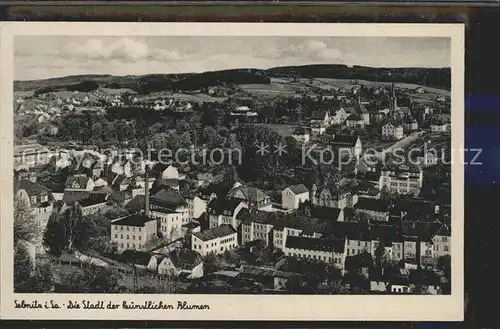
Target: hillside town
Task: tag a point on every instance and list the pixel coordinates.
(308, 188)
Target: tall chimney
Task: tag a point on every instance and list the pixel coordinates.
(146, 191)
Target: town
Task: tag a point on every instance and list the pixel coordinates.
(311, 186)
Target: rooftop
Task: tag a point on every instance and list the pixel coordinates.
(133, 220)
(216, 232)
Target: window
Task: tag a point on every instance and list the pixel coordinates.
(347, 252)
(139, 229)
(445, 248)
(133, 237)
(116, 236)
(127, 236)
(121, 236)
(359, 243)
(139, 238)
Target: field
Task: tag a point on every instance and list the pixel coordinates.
(272, 89)
(182, 97)
(344, 83)
(283, 130)
(117, 91)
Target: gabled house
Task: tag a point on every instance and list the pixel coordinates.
(171, 210)
(225, 211)
(340, 116)
(347, 145)
(333, 196)
(320, 120)
(215, 240)
(374, 209)
(252, 196)
(179, 262)
(392, 132)
(293, 195)
(79, 183)
(355, 120)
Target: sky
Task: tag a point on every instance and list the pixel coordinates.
(40, 57)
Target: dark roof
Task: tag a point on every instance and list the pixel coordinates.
(136, 204)
(220, 190)
(298, 188)
(354, 117)
(345, 140)
(250, 193)
(216, 232)
(81, 179)
(191, 225)
(300, 131)
(262, 217)
(318, 115)
(133, 220)
(31, 188)
(169, 198)
(93, 199)
(360, 108)
(70, 197)
(306, 243)
(219, 206)
(185, 259)
(381, 205)
(326, 213)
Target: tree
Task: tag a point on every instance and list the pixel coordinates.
(23, 267)
(26, 227)
(70, 220)
(54, 238)
(444, 264)
(91, 279)
(419, 289)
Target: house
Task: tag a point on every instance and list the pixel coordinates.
(392, 132)
(225, 211)
(325, 250)
(427, 158)
(405, 178)
(362, 111)
(133, 231)
(38, 198)
(268, 277)
(252, 196)
(294, 195)
(355, 120)
(93, 203)
(177, 263)
(374, 209)
(347, 145)
(410, 124)
(172, 172)
(30, 155)
(257, 225)
(170, 209)
(339, 116)
(79, 183)
(320, 120)
(419, 90)
(215, 240)
(301, 135)
(438, 126)
(333, 196)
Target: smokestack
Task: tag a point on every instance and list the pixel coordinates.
(146, 191)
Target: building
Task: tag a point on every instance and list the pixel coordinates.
(93, 203)
(355, 120)
(438, 126)
(373, 209)
(347, 145)
(30, 155)
(301, 135)
(325, 250)
(333, 196)
(392, 132)
(215, 240)
(406, 178)
(133, 231)
(293, 196)
(172, 172)
(178, 262)
(362, 111)
(223, 211)
(258, 225)
(339, 116)
(171, 210)
(79, 182)
(320, 120)
(410, 124)
(252, 196)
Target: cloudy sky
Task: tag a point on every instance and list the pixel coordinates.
(38, 57)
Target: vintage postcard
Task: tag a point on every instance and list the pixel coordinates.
(197, 171)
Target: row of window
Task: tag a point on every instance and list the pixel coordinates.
(130, 245)
(323, 258)
(128, 237)
(128, 228)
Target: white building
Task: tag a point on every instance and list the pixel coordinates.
(401, 179)
(132, 232)
(215, 240)
(171, 210)
(392, 132)
(325, 250)
(293, 195)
